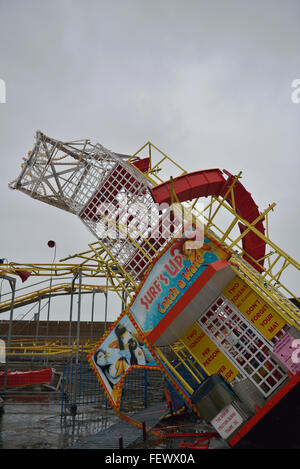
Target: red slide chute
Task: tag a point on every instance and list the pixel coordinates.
(211, 182)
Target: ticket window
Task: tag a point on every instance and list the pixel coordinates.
(243, 345)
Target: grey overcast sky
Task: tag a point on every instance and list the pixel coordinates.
(207, 81)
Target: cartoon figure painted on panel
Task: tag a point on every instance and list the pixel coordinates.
(121, 349)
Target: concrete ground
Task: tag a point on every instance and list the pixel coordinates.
(32, 420)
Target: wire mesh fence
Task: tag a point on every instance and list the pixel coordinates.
(80, 387)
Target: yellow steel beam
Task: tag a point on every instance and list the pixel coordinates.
(64, 288)
(185, 363)
(169, 365)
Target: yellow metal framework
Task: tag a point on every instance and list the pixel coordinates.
(276, 260)
(62, 288)
(43, 347)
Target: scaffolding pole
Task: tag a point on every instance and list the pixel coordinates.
(12, 282)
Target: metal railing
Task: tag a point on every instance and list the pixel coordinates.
(80, 387)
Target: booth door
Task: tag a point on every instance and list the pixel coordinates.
(243, 344)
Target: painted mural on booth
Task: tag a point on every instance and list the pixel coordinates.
(122, 349)
(171, 276)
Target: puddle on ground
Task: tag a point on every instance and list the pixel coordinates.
(35, 422)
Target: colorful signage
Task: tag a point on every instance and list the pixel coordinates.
(117, 353)
(205, 351)
(287, 351)
(170, 277)
(254, 308)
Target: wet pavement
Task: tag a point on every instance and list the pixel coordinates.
(33, 421)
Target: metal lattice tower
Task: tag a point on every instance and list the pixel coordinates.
(106, 191)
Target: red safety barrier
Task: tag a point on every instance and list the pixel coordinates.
(201, 444)
(26, 378)
(204, 436)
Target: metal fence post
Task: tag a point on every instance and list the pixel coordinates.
(62, 391)
(145, 389)
(78, 315)
(105, 317)
(92, 316)
(38, 320)
(12, 282)
(71, 311)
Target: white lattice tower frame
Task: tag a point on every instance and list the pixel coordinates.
(109, 195)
